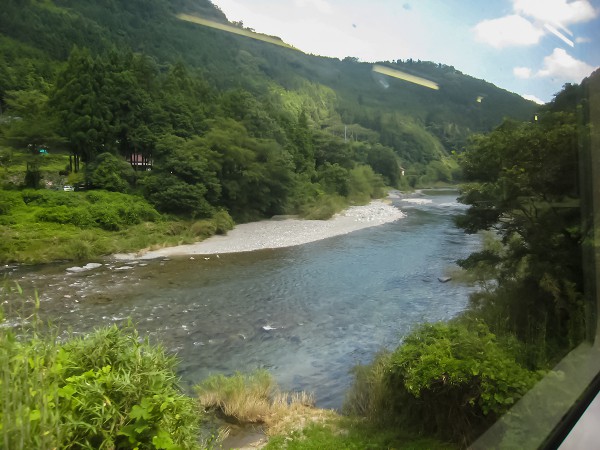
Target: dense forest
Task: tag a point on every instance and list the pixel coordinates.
(125, 97)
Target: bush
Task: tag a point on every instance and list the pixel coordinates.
(106, 217)
(137, 386)
(365, 184)
(203, 228)
(110, 172)
(59, 214)
(323, 208)
(223, 221)
(9, 200)
(451, 380)
(44, 197)
(106, 390)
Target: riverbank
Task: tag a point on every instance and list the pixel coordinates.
(278, 233)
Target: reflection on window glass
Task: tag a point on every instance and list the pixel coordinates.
(356, 224)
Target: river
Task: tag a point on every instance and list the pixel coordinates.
(308, 314)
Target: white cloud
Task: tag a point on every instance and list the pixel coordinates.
(533, 98)
(320, 5)
(583, 40)
(522, 72)
(564, 67)
(562, 12)
(508, 31)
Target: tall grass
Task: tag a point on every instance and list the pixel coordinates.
(256, 398)
(109, 389)
(243, 397)
(29, 417)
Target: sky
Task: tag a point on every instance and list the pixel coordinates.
(531, 47)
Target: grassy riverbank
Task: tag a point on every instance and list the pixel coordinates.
(40, 226)
(113, 389)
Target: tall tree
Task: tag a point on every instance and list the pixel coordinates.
(83, 113)
(523, 183)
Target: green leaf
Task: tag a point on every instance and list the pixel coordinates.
(35, 415)
(163, 441)
(137, 412)
(66, 391)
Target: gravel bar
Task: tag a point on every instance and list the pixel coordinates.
(275, 233)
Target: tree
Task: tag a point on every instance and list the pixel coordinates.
(110, 172)
(523, 183)
(31, 125)
(256, 175)
(83, 113)
(384, 161)
(184, 179)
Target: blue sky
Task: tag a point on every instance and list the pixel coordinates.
(531, 47)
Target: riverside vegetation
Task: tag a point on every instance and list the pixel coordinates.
(238, 130)
(227, 125)
(440, 388)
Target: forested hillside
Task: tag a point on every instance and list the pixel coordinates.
(126, 97)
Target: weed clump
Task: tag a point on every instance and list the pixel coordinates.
(255, 398)
(109, 389)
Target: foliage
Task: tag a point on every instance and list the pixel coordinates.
(109, 211)
(109, 389)
(9, 200)
(324, 207)
(246, 398)
(523, 182)
(228, 123)
(44, 226)
(352, 435)
(120, 391)
(451, 380)
(110, 173)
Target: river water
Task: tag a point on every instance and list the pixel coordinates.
(308, 314)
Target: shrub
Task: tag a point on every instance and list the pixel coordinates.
(223, 221)
(122, 392)
(323, 208)
(447, 379)
(59, 214)
(365, 184)
(105, 217)
(109, 389)
(81, 217)
(44, 197)
(203, 228)
(110, 172)
(9, 200)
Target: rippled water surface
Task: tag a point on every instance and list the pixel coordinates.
(307, 313)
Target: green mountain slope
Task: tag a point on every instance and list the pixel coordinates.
(223, 120)
(362, 97)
